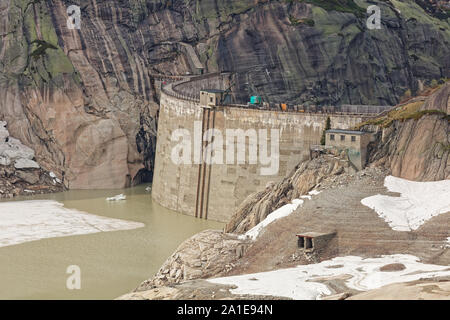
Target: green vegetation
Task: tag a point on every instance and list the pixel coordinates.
(403, 113)
(348, 6)
(36, 45)
(219, 10)
(295, 22)
(434, 83)
(41, 49)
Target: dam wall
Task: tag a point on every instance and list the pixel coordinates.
(214, 191)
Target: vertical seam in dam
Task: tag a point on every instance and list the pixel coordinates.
(204, 166)
(200, 166)
(210, 165)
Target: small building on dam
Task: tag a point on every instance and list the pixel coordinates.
(210, 155)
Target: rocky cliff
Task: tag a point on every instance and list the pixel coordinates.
(414, 139)
(85, 100)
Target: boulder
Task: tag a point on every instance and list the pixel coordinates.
(4, 161)
(31, 177)
(3, 132)
(14, 149)
(216, 249)
(26, 164)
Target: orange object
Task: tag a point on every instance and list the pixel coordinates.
(284, 106)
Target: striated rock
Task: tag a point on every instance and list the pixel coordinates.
(207, 253)
(418, 149)
(31, 177)
(26, 164)
(83, 105)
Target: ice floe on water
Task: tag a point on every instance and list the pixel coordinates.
(23, 221)
(417, 203)
(282, 212)
(119, 197)
(303, 282)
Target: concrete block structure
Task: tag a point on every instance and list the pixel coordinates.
(314, 241)
(211, 97)
(353, 142)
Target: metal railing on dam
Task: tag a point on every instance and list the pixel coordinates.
(188, 88)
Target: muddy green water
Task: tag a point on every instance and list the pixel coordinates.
(112, 263)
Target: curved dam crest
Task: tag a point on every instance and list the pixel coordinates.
(216, 190)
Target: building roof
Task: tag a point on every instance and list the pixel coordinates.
(212, 90)
(339, 131)
(313, 234)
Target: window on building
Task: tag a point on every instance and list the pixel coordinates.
(342, 138)
(211, 99)
(332, 137)
(353, 138)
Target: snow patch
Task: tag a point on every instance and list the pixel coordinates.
(314, 192)
(418, 202)
(54, 178)
(24, 221)
(282, 212)
(302, 282)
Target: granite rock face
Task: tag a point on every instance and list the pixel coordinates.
(80, 99)
(86, 100)
(418, 149)
(207, 253)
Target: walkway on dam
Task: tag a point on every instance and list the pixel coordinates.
(191, 93)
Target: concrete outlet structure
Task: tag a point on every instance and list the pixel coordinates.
(312, 241)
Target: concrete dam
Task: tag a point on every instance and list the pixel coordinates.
(214, 189)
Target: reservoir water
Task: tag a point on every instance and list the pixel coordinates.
(111, 263)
